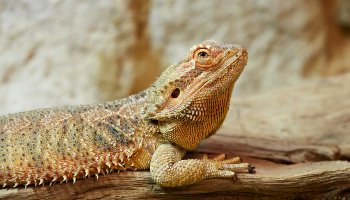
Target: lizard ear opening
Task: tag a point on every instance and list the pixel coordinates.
(154, 121)
(175, 93)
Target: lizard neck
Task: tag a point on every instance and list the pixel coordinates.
(129, 116)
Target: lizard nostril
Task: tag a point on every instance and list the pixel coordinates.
(175, 93)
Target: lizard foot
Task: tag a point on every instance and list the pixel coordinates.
(169, 170)
(226, 168)
(218, 157)
(224, 160)
(230, 164)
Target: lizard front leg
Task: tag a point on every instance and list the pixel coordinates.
(169, 170)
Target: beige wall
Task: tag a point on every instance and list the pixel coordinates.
(62, 52)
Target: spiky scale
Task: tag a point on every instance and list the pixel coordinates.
(87, 172)
(109, 165)
(41, 181)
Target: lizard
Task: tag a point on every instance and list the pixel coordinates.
(152, 129)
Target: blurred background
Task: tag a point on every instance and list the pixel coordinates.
(59, 52)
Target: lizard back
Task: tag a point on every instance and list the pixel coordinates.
(67, 143)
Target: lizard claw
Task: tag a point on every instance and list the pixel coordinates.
(251, 169)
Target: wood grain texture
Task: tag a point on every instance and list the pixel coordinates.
(328, 179)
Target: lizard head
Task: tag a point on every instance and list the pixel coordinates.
(191, 98)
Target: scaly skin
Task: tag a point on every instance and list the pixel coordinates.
(152, 129)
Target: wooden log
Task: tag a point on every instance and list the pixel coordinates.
(310, 122)
(317, 180)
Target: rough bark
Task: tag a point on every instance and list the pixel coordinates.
(294, 125)
(328, 179)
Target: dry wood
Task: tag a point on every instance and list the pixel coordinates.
(328, 179)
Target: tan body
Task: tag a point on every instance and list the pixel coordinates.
(152, 129)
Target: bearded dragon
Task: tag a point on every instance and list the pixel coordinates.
(149, 130)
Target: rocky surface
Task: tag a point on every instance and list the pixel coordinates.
(50, 52)
(75, 52)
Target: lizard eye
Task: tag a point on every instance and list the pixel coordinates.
(202, 56)
(175, 93)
